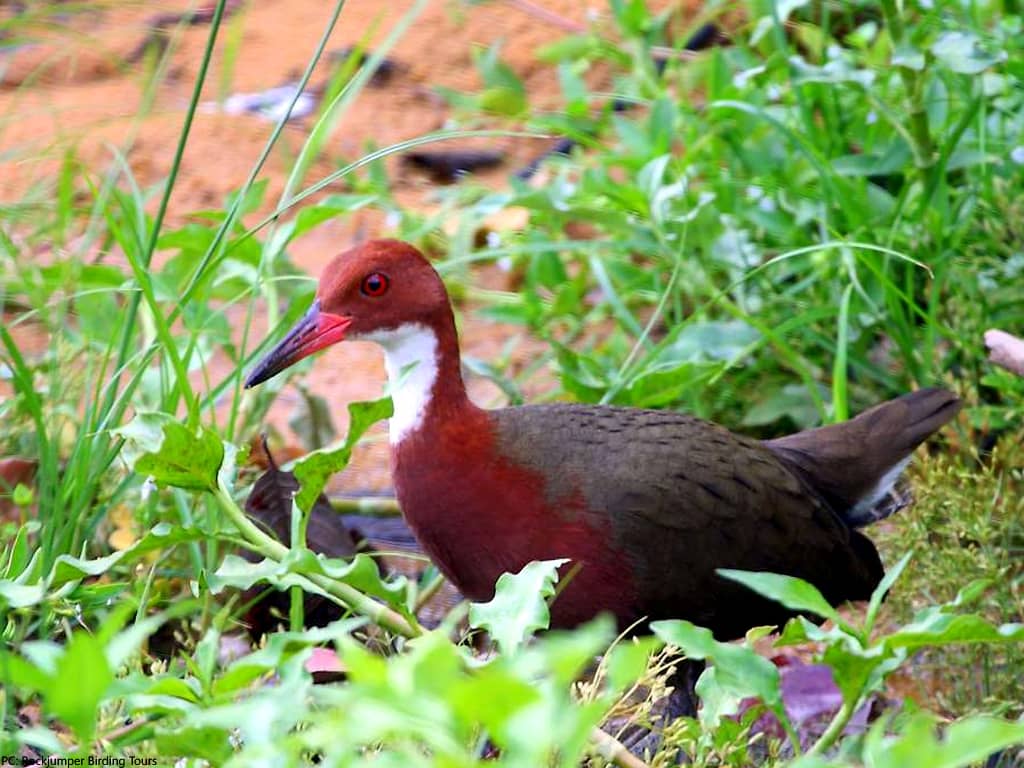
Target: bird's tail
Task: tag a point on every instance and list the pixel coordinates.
(855, 465)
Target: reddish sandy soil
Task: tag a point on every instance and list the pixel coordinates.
(70, 87)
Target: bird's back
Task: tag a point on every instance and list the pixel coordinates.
(683, 497)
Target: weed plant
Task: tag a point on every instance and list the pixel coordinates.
(822, 213)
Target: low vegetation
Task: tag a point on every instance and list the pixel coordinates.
(819, 213)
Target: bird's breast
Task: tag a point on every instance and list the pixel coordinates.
(479, 515)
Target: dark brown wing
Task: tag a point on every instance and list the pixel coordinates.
(684, 497)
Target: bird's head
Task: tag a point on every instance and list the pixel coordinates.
(371, 291)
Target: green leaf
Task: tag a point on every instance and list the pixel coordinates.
(570, 48)
(67, 569)
(908, 56)
(314, 470)
(360, 572)
(14, 595)
(160, 447)
(503, 101)
(739, 670)
(18, 551)
(22, 495)
(856, 670)
(790, 591)
(203, 743)
(935, 627)
(627, 661)
(717, 701)
(562, 655)
(662, 385)
(228, 471)
(962, 52)
(878, 595)
(280, 646)
(835, 71)
(789, 401)
(238, 573)
(890, 159)
(922, 744)
(173, 686)
(519, 606)
(81, 679)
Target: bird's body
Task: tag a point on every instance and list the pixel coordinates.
(645, 504)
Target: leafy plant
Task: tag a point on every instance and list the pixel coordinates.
(771, 233)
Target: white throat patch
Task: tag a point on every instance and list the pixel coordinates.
(410, 356)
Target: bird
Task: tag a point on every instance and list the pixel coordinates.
(646, 505)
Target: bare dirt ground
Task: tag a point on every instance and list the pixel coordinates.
(69, 86)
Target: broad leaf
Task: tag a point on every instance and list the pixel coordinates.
(739, 670)
(790, 591)
(933, 627)
(921, 744)
(82, 677)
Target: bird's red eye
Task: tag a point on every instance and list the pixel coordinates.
(374, 285)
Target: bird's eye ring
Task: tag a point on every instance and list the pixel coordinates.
(375, 284)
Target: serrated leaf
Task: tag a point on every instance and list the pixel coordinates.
(67, 568)
(519, 607)
(237, 572)
(270, 503)
(314, 470)
(360, 572)
(172, 454)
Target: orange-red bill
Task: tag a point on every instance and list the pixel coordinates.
(312, 333)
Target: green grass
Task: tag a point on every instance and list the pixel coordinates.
(780, 232)
(966, 525)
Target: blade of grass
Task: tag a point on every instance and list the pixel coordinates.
(840, 399)
(144, 259)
